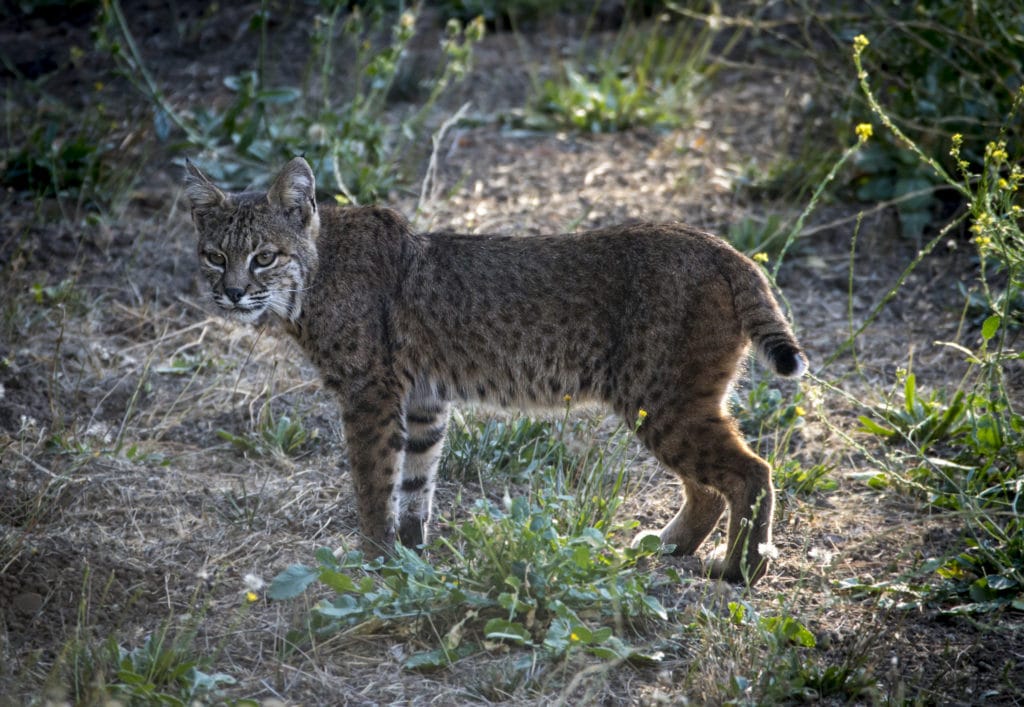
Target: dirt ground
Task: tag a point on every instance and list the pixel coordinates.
(172, 520)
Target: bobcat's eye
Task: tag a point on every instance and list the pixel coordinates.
(217, 260)
(265, 259)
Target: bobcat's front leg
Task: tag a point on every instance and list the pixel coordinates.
(426, 416)
(375, 437)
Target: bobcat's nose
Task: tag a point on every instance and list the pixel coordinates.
(234, 293)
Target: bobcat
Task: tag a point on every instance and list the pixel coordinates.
(640, 317)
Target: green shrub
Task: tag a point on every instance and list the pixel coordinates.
(943, 68)
(512, 575)
(359, 154)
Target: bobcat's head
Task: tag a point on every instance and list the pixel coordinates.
(256, 249)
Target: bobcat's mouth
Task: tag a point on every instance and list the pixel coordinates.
(244, 312)
(246, 315)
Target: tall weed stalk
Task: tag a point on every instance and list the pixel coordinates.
(967, 444)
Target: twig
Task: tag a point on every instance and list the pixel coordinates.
(429, 186)
(36, 465)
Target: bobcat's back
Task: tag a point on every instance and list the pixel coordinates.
(530, 320)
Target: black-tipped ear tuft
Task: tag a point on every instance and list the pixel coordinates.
(200, 190)
(294, 187)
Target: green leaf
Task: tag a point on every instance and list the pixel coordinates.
(200, 681)
(439, 658)
(736, 612)
(649, 544)
(1000, 583)
(655, 607)
(878, 481)
(325, 556)
(292, 582)
(790, 629)
(342, 607)
(278, 95)
(991, 326)
(869, 425)
(337, 581)
(910, 401)
(503, 630)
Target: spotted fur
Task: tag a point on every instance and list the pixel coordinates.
(652, 317)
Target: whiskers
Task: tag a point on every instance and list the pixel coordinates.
(286, 302)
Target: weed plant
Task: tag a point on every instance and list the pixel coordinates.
(273, 435)
(964, 445)
(57, 151)
(168, 666)
(546, 571)
(343, 136)
(647, 76)
(949, 69)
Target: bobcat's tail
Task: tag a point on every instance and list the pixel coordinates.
(764, 323)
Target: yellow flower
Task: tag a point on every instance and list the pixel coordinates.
(573, 636)
(995, 152)
(252, 597)
(859, 43)
(800, 411)
(864, 131)
(567, 398)
(760, 257)
(642, 414)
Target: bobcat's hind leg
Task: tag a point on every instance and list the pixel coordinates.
(426, 419)
(747, 484)
(718, 471)
(702, 507)
(745, 480)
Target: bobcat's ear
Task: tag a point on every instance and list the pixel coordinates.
(200, 190)
(294, 190)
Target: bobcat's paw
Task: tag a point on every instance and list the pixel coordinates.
(720, 565)
(412, 532)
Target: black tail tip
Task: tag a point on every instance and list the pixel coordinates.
(788, 361)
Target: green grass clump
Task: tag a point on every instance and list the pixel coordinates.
(514, 449)
(54, 150)
(273, 435)
(647, 77)
(169, 666)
